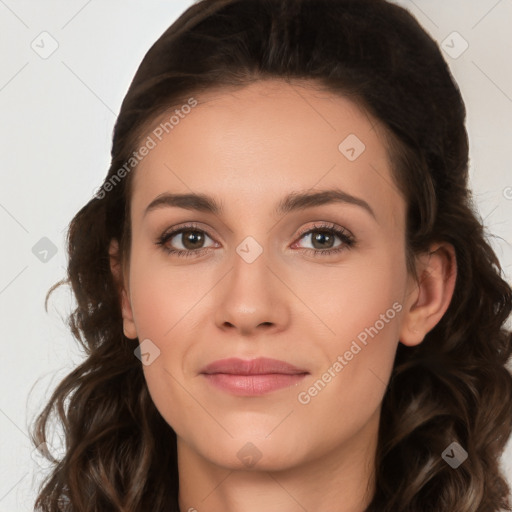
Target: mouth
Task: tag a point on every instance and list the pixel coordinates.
(253, 377)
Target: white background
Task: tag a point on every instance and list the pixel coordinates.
(57, 116)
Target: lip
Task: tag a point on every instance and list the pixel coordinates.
(252, 377)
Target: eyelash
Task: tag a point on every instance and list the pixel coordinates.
(348, 240)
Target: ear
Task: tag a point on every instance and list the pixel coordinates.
(126, 308)
(430, 295)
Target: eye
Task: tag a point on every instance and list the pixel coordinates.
(322, 236)
(190, 237)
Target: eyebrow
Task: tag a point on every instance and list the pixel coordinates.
(292, 202)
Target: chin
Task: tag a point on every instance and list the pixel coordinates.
(255, 453)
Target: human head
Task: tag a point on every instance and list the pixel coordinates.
(428, 152)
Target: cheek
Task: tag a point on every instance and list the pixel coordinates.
(351, 299)
(347, 390)
(362, 311)
(164, 302)
(163, 297)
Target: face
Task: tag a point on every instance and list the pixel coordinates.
(318, 283)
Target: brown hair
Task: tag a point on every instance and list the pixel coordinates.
(120, 454)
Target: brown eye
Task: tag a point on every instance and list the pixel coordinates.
(192, 239)
(323, 239)
(186, 241)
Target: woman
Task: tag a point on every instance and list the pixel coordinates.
(285, 296)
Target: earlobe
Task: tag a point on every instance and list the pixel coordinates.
(431, 294)
(126, 309)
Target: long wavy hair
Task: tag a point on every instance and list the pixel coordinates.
(120, 454)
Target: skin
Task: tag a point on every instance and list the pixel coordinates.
(249, 148)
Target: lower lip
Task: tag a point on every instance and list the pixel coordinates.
(253, 385)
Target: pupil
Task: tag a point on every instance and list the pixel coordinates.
(322, 236)
(193, 238)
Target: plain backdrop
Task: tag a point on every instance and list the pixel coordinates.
(65, 67)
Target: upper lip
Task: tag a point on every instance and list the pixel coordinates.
(259, 366)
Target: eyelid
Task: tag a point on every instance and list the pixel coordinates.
(348, 240)
(187, 226)
(319, 225)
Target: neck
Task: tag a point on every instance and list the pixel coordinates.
(340, 479)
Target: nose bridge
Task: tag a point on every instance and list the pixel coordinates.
(250, 278)
(251, 295)
(249, 250)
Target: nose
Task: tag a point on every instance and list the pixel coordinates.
(252, 299)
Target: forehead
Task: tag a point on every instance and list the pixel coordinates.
(253, 145)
